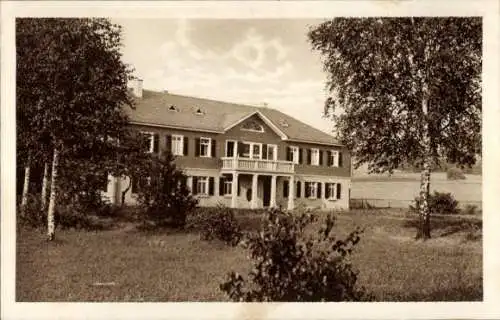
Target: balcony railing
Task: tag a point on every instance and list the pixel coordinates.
(258, 165)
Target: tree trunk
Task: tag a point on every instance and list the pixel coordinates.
(45, 183)
(24, 199)
(52, 199)
(424, 229)
(124, 192)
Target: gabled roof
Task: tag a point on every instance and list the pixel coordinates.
(217, 116)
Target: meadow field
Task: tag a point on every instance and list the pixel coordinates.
(401, 188)
(125, 264)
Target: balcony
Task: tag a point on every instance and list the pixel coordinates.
(258, 165)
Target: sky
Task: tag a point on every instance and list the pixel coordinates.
(249, 61)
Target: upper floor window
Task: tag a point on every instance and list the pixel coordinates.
(205, 147)
(272, 152)
(230, 148)
(152, 141)
(177, 145)
(315, 157)
(333, 158)
(293, 154)
(251, 150)
(252, 126)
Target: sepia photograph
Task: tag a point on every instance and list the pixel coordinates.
(188, 158)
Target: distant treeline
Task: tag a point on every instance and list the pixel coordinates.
(445, 166)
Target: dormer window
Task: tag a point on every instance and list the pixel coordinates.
(173, 108)
(283, 123)
(252, 126)
(199, 112)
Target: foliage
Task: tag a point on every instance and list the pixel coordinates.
(404, 91)
(217, 223)
(455, 174)
(439, 203)
(163, 193)
(470, 210)
(33, 216)
(291, 266)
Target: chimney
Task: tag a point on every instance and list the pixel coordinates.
(137, 87)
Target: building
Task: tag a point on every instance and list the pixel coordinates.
(241, 156)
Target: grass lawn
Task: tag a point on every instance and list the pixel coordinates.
(125, 264)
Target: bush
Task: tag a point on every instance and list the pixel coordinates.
(217, 223)
(164, 196)
(454, 173)
(288, 266)
(33, 216)
(439, 203)
(470, 210)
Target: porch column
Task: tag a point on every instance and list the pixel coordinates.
(189, 183)
(323, 191)
(234, 191)
(291, 193)
(111, 191)
(272, 202)
(216, 185)
(253, 204)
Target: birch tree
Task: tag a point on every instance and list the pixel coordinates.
(404, 90)
(80, 83)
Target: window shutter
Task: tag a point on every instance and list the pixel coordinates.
(168, 143)
(308, 156)
(239, 187)
(298, 189)
(340, 159)
(327, 191)
(339, 192)
(320, 157)
(307, 190)
(195, 185)
(285, 188)
(318, 190)
(221, 186)
(300, 156)
(329, 158)
(156, 140)
(264, 151)
(197, 147)
(185, 146)
(214, 148)
(211, 186)
(288, 154)
(240, 152)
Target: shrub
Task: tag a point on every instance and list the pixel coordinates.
(218, 223)
(470, 210)
(454, 173)
(290, 266)
(439, 203)
(164, 196)
(33, 216)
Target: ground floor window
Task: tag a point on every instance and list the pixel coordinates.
(203, 185)
(312, 190)
(330, 191)
(228, 187)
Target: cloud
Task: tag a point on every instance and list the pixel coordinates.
(254, 70)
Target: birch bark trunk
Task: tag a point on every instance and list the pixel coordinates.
(424, 230)
(52, 198)
(45, 183)
(26, 183)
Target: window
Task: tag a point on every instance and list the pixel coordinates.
(252, 126)
(151, 141)
(177, 145)
(293, 154)
(330, 191)
(205, 147)
(202, 185)
(272, 152)
(315, 157)
(251, 150)
(333, 158)
(312, 190)
(228, 187)
(230, 148)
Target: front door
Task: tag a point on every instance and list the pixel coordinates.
(266, 184)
